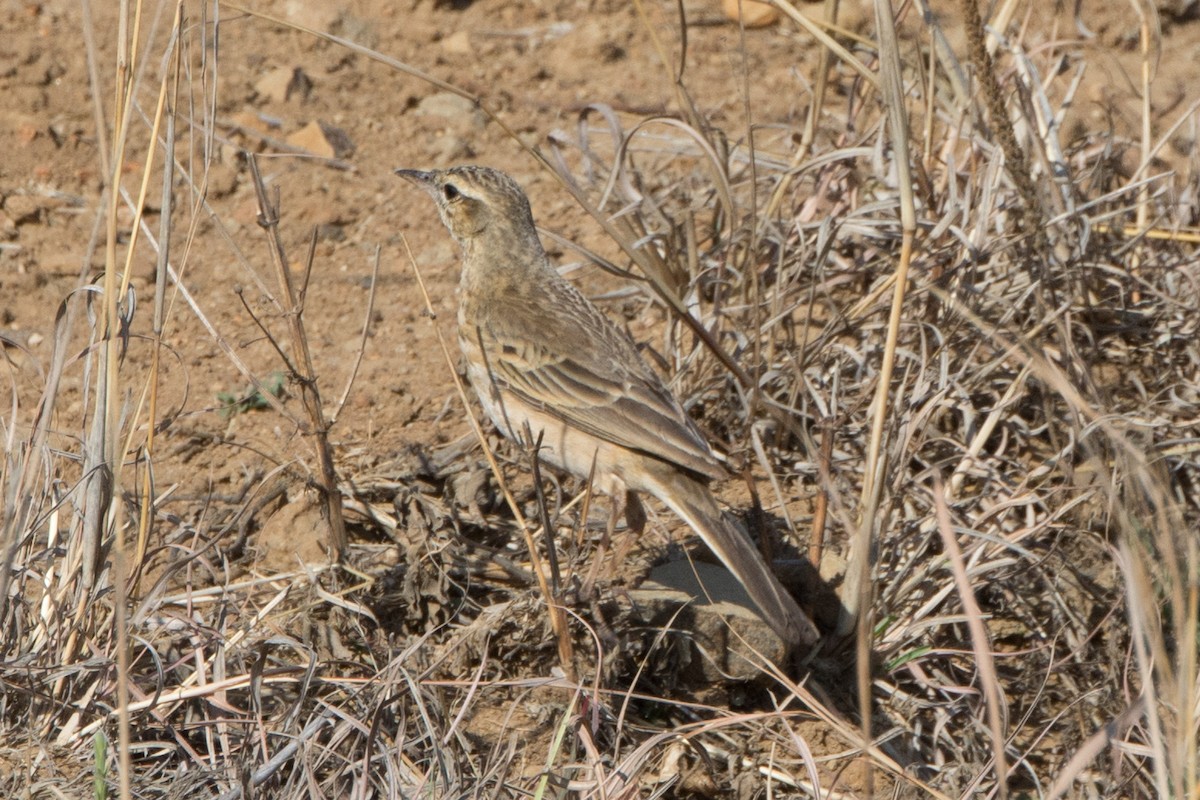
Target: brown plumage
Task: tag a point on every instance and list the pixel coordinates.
(539, 353)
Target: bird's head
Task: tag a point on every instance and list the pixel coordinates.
(475, 202)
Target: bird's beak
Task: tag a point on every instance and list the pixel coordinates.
(418, 177)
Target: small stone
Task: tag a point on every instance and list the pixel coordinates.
(457, 43)
(451, 148)
(445, 104)
(460, 111)
(295, 535)
(23, 208)
(280, 85)
(273, 86)
(27, 132)
(317, 16)
(222, 180)
(753, 14)
(323, 139)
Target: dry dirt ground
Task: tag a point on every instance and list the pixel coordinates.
(536, 65)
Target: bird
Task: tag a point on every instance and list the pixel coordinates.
(548, 366)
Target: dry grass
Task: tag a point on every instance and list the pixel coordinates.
(1032, 548)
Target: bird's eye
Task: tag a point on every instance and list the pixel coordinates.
(451, 191)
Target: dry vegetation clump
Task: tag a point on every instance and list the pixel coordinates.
(1032, 548)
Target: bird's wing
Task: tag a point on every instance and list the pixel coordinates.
(574, 364)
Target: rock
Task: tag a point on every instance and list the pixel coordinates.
(454, 108)
(280, 85)
(323, 139)
(731, 638)
(445, 104)
(362, 30)
(23, 209)
(753, 14)
(222, 180)
(295, 535)
(317, 16)
(451, 148)
(274, 85)
(457, 43)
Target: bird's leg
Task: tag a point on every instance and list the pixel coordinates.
(547, 529)
(616, 510)
(635, 523)
(624, 504)
(588, 590)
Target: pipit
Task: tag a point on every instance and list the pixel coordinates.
(547, 363)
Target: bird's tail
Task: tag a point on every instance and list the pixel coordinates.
(691, 499)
